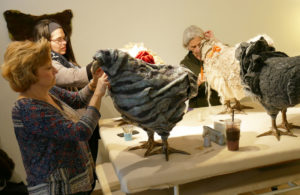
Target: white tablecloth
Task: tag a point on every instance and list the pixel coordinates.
(137, 173)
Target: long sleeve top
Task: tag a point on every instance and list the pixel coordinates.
(53, 143)
(69, 75)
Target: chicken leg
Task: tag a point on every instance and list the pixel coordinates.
(227, 108)
(240, 107)
(286, 125)
(165, 149)
(149, 145)
(275, 131)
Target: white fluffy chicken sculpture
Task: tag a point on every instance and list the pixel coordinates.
(151, 96)
(222, 71)
(140, 51)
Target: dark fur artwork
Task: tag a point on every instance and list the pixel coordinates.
(151, 96)
(20, 25)
(272, 78)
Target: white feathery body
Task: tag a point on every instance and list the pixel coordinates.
(222, 69)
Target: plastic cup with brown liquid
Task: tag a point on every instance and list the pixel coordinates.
(233, 134)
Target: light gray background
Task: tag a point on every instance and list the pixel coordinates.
(100, 24)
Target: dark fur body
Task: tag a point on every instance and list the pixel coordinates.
(20, 25)
(148, 95)
(272, 77)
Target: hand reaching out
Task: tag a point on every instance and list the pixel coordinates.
(209, 34)
(201, 79)
(98, 85)
(99, 82)
(96, 75)
(102, 85)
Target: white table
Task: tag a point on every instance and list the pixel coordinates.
(137, 173)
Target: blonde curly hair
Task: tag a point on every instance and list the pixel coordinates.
(21, 61)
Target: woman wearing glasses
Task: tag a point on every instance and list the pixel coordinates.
(69, 74)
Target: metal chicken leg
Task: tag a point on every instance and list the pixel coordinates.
(286, 125)
(240, 107)
(149, 145)
(165, 149)
(275, 131)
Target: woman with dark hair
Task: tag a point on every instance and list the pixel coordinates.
(69, 74)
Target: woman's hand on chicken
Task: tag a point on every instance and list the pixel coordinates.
(98, 84)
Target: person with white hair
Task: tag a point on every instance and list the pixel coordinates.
(193, 40)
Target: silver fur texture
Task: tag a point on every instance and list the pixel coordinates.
(151, 96)
(271, 77)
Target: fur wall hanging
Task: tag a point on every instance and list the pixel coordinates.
(20, 25)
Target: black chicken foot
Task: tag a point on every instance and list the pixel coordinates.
(168, 151)
(276, 132)
(165, 149)
(149, 145)
(227, 108)
(286, 125)
(240, 107)
(122, 122)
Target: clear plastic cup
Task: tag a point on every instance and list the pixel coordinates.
(233, 134)
(127, 132)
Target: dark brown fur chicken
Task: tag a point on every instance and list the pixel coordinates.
(149, 95)
(272, 78)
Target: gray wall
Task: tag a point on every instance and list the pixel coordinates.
(159, 24)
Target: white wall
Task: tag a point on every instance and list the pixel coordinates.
(99, 24)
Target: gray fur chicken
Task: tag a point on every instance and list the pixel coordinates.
(272, 78)
(151, 96)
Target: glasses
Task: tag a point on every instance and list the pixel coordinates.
(60, 40)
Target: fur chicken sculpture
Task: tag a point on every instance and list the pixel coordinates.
(222, 72)
(272, 78)
(151, 96)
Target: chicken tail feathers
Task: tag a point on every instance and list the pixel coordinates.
(293, 87)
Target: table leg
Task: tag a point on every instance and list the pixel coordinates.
(176, 190)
